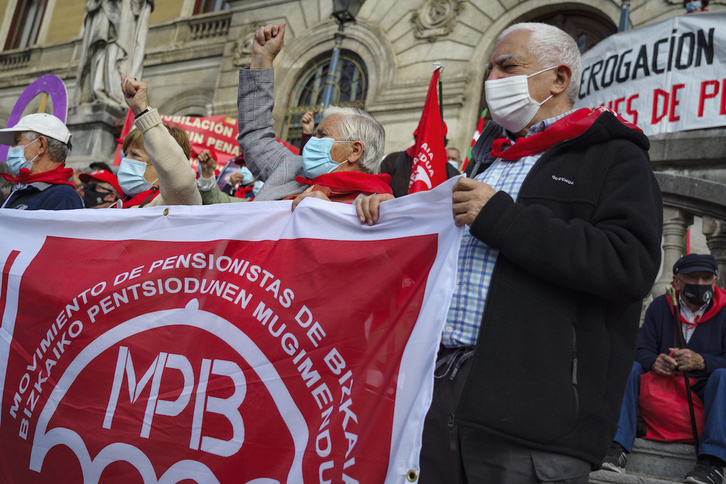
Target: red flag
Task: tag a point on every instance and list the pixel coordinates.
(128, 126)
(475, 138)
(429, 161)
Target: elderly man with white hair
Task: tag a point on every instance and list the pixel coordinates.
(339, 163)
(563, 224)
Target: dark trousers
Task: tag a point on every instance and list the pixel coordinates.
(479, 457)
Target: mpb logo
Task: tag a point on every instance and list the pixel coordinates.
(166, 417)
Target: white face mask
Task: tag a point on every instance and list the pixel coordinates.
(509, 101)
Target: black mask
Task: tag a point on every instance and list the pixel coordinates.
(698, 294)
(93, 195)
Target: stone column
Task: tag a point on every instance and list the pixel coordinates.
(715, 232)
(675, 224)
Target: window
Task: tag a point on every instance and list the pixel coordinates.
(25, 26)
(206, 6)
(348, 89)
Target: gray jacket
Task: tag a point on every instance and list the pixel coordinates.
(267, 159)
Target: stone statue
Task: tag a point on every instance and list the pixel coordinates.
(114, 41)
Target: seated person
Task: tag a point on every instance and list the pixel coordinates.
(94, 167)
(703, 324)
(340, 162)
(155, 169)
(39, 146)
(100, 189)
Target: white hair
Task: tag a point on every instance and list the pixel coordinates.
(358, 125)
(552, 46)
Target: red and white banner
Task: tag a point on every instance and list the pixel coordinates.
(218, 134)
(665, 77)
(221, 344)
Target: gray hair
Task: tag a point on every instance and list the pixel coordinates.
(57, 150)
(553, 46)
(358, 125)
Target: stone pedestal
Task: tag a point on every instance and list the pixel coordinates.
(95, 128)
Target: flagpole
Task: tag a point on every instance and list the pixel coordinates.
(441, 104)
(434, 66)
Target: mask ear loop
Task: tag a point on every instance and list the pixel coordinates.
(540, 72)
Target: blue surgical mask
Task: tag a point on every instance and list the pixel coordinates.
(257, 187)
(131, 177)
(16, 158)
(247, 176)
(691, 6)
(316, 157)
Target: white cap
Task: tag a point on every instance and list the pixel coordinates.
(43, 123)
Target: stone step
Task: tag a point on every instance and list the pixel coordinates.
(607, 477)
(661, 458)
(652, 462)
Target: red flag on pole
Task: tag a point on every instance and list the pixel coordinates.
(429, 160)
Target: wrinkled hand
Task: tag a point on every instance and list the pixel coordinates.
(308, 193)
(267, 44)
(469, 197)
(367, 208)
(688, 360)
(134, 93)
(207, 163)
(77, 178)
(664, 365)
(235, 178)
(308, 123)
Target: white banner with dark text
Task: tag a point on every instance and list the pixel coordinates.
(666, 77)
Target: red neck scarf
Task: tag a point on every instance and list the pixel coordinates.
(719, 301)
(141, 198)
(56, 176)
(569, 127)
(351, 181)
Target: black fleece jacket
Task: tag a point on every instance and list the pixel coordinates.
(579, 250)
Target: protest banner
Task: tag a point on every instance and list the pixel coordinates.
(239, 343)
(215, 133)
(665, 77)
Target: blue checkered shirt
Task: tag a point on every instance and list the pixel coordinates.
(476, 259)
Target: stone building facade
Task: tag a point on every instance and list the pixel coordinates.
(194, 49)
(191, 60)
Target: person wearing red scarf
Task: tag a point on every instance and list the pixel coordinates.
(702, 313)
(562, 229)
(340, 162)
(39, 146)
